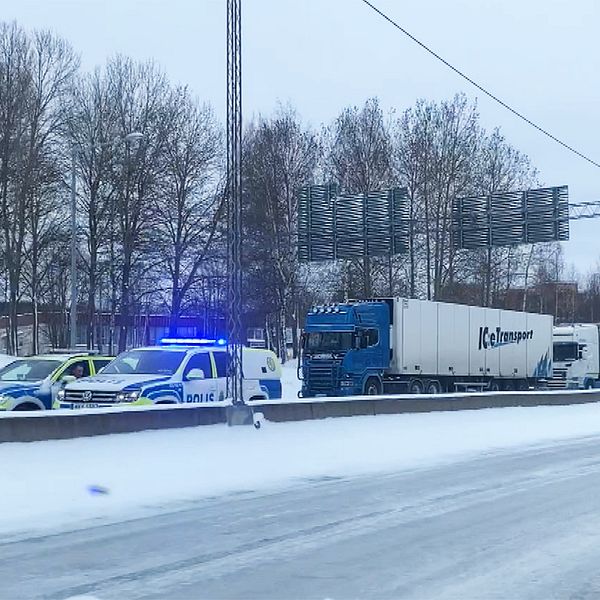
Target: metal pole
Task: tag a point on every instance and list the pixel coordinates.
(73, 315)
(234, 197)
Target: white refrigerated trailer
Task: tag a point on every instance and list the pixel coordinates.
(464, 346)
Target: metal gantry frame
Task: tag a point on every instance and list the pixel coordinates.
(234, 199)
(584, 210)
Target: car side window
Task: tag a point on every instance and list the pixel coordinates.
(79, 368)
(221, 363)
(373, 337)
(199, 361)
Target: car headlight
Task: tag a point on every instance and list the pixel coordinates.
(128, 396)
(61, 394)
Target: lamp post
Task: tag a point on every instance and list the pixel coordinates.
(130, 137)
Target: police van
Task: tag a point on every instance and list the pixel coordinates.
(176, 371)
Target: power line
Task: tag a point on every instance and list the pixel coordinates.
(479, 87)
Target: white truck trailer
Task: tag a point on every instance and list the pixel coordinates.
(576, 356)
(400, 344)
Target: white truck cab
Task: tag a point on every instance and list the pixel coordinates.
(576, 352)
(175, 372)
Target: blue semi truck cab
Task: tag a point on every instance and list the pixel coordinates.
(345, 349)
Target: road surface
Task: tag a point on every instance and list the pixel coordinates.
(522, 524)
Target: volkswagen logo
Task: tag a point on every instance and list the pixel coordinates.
(87, 396)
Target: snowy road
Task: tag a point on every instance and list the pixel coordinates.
(523, 523)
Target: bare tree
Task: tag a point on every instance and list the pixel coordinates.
(190, 204)
(359, 156)
(280, 156)
(139, 92)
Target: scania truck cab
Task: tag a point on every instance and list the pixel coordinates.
(345, 348)
(576, 356)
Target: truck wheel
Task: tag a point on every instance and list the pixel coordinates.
(372, 387)
(434, 387)
(494, 386)
(415, 386)
(589, 384)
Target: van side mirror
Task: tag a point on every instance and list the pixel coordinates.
(195, 374)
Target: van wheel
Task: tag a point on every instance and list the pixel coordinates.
(27, 406)
(589, 384)
(372, 387)
(434, 387)
(415, 386)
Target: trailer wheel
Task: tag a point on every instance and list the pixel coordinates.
(372, 387)
(434, 387)
(494, 386)
(415, 386)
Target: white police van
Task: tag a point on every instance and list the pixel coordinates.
(177, 371)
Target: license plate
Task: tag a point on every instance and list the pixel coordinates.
(86, 405)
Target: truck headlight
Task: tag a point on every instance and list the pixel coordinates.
(128, 396)
(61, 394)
(5, 400)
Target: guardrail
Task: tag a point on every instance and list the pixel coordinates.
(67, 424)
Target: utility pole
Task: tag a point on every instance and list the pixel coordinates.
(234, 199)
(73, 313)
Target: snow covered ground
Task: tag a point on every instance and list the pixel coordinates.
(49, 485)
(289, 380)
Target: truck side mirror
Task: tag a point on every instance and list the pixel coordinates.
(68, 379)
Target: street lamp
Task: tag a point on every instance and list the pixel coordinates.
(134, 136)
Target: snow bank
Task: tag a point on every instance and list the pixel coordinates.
(67, 483)
(290, 385)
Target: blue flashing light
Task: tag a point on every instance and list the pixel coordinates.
(221, 342)
(191, 342)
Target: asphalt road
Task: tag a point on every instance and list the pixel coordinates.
(512, 525)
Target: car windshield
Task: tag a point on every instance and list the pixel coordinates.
(565, 351)
(28, 370)
(146, 362)
(329, 341)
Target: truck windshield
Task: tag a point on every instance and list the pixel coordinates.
(564, 351)
(328, 341)
(28, 370)
(146, 362)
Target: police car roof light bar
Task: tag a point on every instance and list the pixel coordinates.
(192, 342)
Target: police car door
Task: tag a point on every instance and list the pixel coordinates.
(221, 360)
(199, 384)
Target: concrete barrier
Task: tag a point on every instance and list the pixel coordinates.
(58, 425)
(52, 425)
(322, 408)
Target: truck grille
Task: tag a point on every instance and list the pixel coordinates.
(558, 380)
(83, 396)
(323, 376)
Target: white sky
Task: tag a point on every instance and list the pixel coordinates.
(541, 56)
